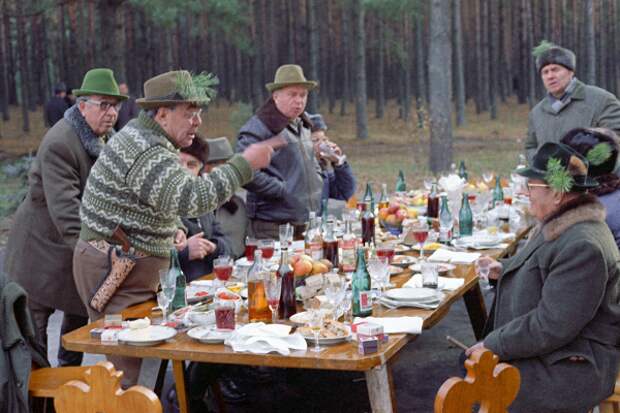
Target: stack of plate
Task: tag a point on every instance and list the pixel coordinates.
(412, 297)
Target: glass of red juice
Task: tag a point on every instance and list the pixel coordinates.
(386, 250)
(223, 267)
(250, 247)
(225, 314)
(267, 246)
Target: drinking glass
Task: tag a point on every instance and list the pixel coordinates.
(273, 287)
(377, 267)
(428, 182)
(487, 177)
(483, 268)
(163, 301)
(223, 268)
(420, 233)
(315, 322)
(250, 247)
(386, 250)
(267, 246)
(347, 305)
(286, 235)
(430, 275)
(225, 314)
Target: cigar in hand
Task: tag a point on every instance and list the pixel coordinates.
(456, 342)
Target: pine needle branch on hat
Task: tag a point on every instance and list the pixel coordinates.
(557, 176)
(599, 153)
(542, 48)
(198, 87)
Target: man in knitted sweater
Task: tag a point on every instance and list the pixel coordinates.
(139, 185)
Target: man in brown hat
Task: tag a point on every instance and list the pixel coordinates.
(47, 223)
(290, 187)
(138, 185)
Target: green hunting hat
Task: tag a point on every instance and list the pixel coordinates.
(290, 75)
(560, 166)
(178, 86)
(99, 81)
(219, 149)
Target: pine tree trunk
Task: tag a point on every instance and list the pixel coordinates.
(24, 80)
(332, 53)
(10, 56)
(494, 57)
(405, 71)
(380, 76)
(4, 68)
(359, 64)
(478, 57)
(484, 22)
(589, 44)
(440, 79)
(313, 52)
(459, 75)
(421, 86)
(291, 29)
(63, 64)
(603, 44)
(346, 53)
(257, 55)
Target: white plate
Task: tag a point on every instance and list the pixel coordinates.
(202, 283)
(328, 341)
(411, 294)
(442, 268)
(209, 334)
(156, 335)
(303, 317)
(196, 293)
(403, 260)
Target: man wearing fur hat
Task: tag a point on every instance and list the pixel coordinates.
(139, 187)
(47, 223)
(291, 185)
(569, 102)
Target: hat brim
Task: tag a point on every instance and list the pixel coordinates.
(581, 183)
(88, 92)
(309, 84)
(150, 104)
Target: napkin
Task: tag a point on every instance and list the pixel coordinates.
(261, 338)
(451, 183)
(454, 257)
(391, 325)
(393, 304)
(446, 283)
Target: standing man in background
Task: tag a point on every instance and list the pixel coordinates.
(129, 109)
(57, 105)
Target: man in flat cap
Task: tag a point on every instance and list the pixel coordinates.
(569, 103)
(290, 187)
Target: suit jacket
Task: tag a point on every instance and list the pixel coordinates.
(559, 297)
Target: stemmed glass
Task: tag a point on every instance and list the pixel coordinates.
(483, 268)
(163, 301)
(428, 182)
(377, 267)
(334, 291)
(487, 177)
(420, 233)
(168, 287)
(286, 235)
(315, 322)
(347, 304)
(273, 287)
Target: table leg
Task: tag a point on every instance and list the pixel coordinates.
(178, 368)
(380, 390)
(149, 369)
(476, 309)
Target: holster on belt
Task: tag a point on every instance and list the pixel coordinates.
(121, 260)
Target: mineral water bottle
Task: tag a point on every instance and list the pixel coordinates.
(466, 219)
(445, 222)
(179, 300)
(360, 287)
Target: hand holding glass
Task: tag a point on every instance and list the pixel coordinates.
(483, 267)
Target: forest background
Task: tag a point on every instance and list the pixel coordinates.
(404, 84)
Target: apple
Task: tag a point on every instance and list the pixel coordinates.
(401, 214)
(393, 208)
(383, 213)
(327, 263)
(302, 267)
(318, 267)
(392, 220)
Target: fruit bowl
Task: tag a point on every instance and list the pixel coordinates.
(392, 228)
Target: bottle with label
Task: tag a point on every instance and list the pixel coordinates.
(287, 306)
(445, 222)
(347, 247)
(463, 171)
(498, 192)
(360, 287)
(432, 205)
(330, 245)
(313, 240)
(179, 300)
(368, 224)
(401, 185)
(384, 200)
(258, 307)
(466, 218)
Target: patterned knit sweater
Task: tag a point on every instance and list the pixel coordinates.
(138, 183)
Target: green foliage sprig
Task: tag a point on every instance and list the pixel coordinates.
(599, 153)
(557, 176)
(542, 48)
(199, 88)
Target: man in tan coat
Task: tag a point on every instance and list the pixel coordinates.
(47, 224)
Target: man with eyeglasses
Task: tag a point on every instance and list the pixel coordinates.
(47, 224)
(138, 186)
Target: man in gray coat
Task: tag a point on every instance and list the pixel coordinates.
(47, 224)
(569, 103)
(557, 314)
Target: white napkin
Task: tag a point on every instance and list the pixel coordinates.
(261, 338)
(393, 304)
(391, 325)
(451, 183)
(454, 257)
(446, 283)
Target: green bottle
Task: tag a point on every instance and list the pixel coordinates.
(401, 186)
(466, 219)
(463, 171)
(179, 300)
(498, 193)
(445, 222)
(360, 287)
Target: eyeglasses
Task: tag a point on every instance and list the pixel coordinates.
(530, 186)
(193, 115)
(105, 106)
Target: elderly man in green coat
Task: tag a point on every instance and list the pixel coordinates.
(47, 224)
(557, 314)
(569, 103)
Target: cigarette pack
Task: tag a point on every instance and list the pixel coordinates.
(370, 329)
(367, 345)
(110, 335)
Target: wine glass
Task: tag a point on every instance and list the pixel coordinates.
(267, 246)
(428, 182)
(223, 268)
(377, 267)
(168, 284)
(315, 322)
(163, 301)
(286, 235)
(273, 287)
(483, 267)
(420, 233)
(347, 305)
(487, 177)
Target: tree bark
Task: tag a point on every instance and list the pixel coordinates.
(589, 44)
(494, 57)
(380, 76)
(4, 68)
(361, 117)
(459, 75)
(24, 78)
(421, 86)
(313, 52)
(345, 33)
(440, 79)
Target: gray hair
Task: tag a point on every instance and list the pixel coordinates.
(153, 111)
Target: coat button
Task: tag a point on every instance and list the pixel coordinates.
(20, 384)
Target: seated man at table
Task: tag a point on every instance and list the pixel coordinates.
(557, 312)
(205, 240)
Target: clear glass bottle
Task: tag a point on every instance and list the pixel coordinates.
(384, 200)
(360, 287)
(347, 247)
(368, 224)
(313, 240)
(175, 272)
(445, 222)
(466, 218)
(258, 307)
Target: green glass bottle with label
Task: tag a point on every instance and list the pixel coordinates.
(463, 171)
(360, 287)
(498, 192)
(179, 300)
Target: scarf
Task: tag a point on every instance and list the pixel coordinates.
(91, 142)
(607, 183)
(558, 104)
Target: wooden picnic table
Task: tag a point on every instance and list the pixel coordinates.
(337, 357)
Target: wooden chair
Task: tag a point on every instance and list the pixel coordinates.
(100, 391)
(489, 385)
(612, 403)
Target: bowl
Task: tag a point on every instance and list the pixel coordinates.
(392, 229)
